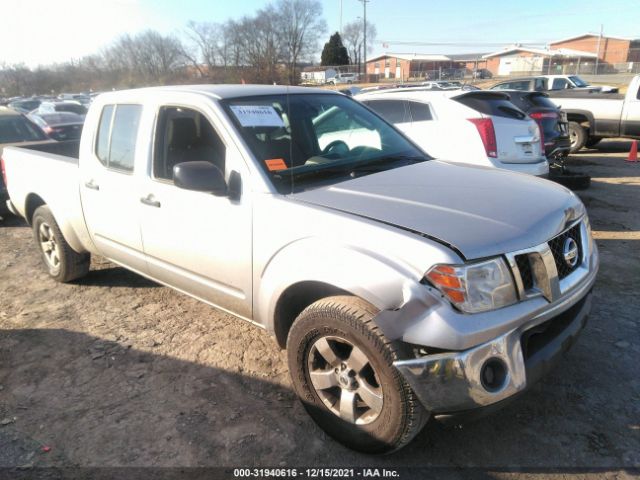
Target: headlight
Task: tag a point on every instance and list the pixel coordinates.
(476, 287)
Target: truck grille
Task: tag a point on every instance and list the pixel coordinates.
(557, 249)
(538, 270)
(525, 271)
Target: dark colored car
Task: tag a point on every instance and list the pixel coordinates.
(60, 125)
(15, 128)
(552, 121)
(482, 73)
(25, 106)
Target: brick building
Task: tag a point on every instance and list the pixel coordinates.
(612, 51)
(405, 65)
(519, 60)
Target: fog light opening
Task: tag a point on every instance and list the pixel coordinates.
(493, 375)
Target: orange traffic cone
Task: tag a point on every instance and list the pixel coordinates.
(633, 153)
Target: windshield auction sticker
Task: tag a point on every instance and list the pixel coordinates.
(257, 116)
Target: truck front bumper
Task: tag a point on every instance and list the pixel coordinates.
(498, 369)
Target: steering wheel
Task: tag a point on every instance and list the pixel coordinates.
(337, 146)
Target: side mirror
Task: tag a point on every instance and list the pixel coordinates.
(200, 176)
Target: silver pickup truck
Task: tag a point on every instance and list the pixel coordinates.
(593, 116)
(402, 287)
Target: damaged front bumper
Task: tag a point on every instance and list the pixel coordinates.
(497, 369)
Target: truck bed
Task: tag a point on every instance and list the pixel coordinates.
(68, 151)
(48, 173)
(591, 95)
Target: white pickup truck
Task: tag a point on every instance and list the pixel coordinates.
(593, 116)
(402, 287)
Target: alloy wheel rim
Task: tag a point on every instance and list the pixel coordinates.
(49, 246)
(345, 380)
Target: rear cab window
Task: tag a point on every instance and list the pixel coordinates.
(116, 140)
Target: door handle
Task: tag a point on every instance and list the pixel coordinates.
(91, 185)
(148, 200)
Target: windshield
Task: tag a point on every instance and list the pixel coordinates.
(304, 140)
(578, 81)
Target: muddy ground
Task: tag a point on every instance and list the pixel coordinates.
(116, 370)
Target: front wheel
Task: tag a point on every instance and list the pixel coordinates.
(62, 262)
(578, 136)
(342, 369)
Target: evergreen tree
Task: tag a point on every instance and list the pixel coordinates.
(334, 52)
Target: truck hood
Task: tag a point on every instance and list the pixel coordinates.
(479, 212)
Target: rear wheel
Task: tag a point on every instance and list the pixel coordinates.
(578, 136)
(342, 369)
(62, 262)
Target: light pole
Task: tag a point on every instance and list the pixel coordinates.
(364, 41)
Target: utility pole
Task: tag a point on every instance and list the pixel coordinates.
(364, 40)
(341, 17)
(598, 50)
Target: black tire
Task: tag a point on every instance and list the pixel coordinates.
(572, 180)
(578, 136)
(71, 264)
(401, 416)
(592, 142)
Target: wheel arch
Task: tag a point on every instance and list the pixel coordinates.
(583, 117)
(294, 300)
(35, 201)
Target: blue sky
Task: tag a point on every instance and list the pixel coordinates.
(482, 25)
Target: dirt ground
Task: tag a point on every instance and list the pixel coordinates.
(116, 370)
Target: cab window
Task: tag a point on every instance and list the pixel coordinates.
(117, 132)
(184, 135)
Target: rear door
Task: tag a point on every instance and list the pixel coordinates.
(517, 135)
(109, 190)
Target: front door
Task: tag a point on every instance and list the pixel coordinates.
(631, 116)
(194, 241)
(109, 189)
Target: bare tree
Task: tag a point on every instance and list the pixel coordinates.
(300, 24)
(353, 37)
(205, 47)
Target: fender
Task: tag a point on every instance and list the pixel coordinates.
(57, 207)
(386, 282)
(583, 113)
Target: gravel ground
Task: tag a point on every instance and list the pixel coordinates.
(116, 370)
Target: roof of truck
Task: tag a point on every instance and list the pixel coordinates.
(226, 91)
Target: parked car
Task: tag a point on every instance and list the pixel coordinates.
(451, 73)
(546, 83)
(60, 125)
(62, 106)
(552, 121)
(594, 116)
(15, 128)
(402, 287)
(82, 98)
(474, 127)
(25, 105)
(482, 73)
(342, 78)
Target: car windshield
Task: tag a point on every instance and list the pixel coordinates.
(578, 81)
(14, 129)
(304, 140)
